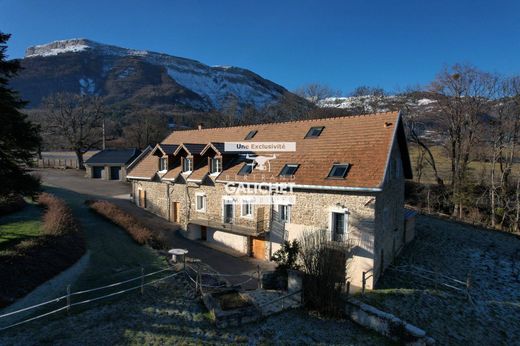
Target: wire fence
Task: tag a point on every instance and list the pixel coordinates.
(199, 273)
(194, 275)
(67, 298)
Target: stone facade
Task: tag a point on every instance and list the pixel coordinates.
(374, 220)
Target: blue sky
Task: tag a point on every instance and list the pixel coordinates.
(344, 44)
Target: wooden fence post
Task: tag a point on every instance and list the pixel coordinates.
(468, 287)
(363, 283)
(258, 275)
(197, 282)
(142, 280)
(68, 298)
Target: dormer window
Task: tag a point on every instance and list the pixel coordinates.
(187, 165)
(246, 169)
(163, 164)
(338, 171)
(215, 165)
(289, 170)
(251, 134)
(314, 132)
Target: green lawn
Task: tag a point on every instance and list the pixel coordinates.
(19, 226)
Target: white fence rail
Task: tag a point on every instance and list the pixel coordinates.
(67, 297)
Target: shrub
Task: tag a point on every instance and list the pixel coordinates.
(135, 229)
(324, 264)
(287, 256)
(57, 219)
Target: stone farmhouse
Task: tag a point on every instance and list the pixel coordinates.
(346, 176)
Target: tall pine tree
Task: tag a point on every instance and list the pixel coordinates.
(19, 138)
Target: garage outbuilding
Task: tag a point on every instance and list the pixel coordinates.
(110, 164)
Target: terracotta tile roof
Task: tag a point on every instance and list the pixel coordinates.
(364, 142)
(199, 173)
(172, 174)
(145, 169)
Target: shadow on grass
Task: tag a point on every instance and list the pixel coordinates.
(114, 254)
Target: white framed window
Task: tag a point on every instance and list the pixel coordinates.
(228, 210)
(339, 224)
(187, 165)
(247, 209)
(215, 165)
(284, 213)
(200, 202)
(163, 164)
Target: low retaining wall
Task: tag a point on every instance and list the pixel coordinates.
(386, 324)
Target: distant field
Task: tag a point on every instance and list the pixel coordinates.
(443, 163)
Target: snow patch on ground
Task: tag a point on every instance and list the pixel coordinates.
(425, 102)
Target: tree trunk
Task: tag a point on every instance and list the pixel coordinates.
(492, 190)
(79, 156)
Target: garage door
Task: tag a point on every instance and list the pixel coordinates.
(97, 172)
(114, 173)
(258, 248)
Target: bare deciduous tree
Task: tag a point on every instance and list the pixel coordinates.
(316, 92)
(76, 120)
(463, 97)
(145, 128)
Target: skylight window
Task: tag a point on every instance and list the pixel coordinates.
(338, 171)
(251, 134)
(314, 132)
(289, 170)
(246, 169)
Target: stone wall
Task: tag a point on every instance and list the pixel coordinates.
(386, 324)
(389, 217)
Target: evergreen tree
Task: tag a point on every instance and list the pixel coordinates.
(19, 138)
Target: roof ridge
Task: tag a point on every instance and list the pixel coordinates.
(286, 122)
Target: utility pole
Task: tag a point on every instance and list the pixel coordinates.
(103, 133)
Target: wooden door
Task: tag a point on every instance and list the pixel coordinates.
(203, 233)
(176, 216)
(258, 248)
(142, 198)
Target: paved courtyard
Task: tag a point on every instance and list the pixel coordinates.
(119, 192)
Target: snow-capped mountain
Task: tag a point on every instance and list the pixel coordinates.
(85, 66)
(374, 103)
